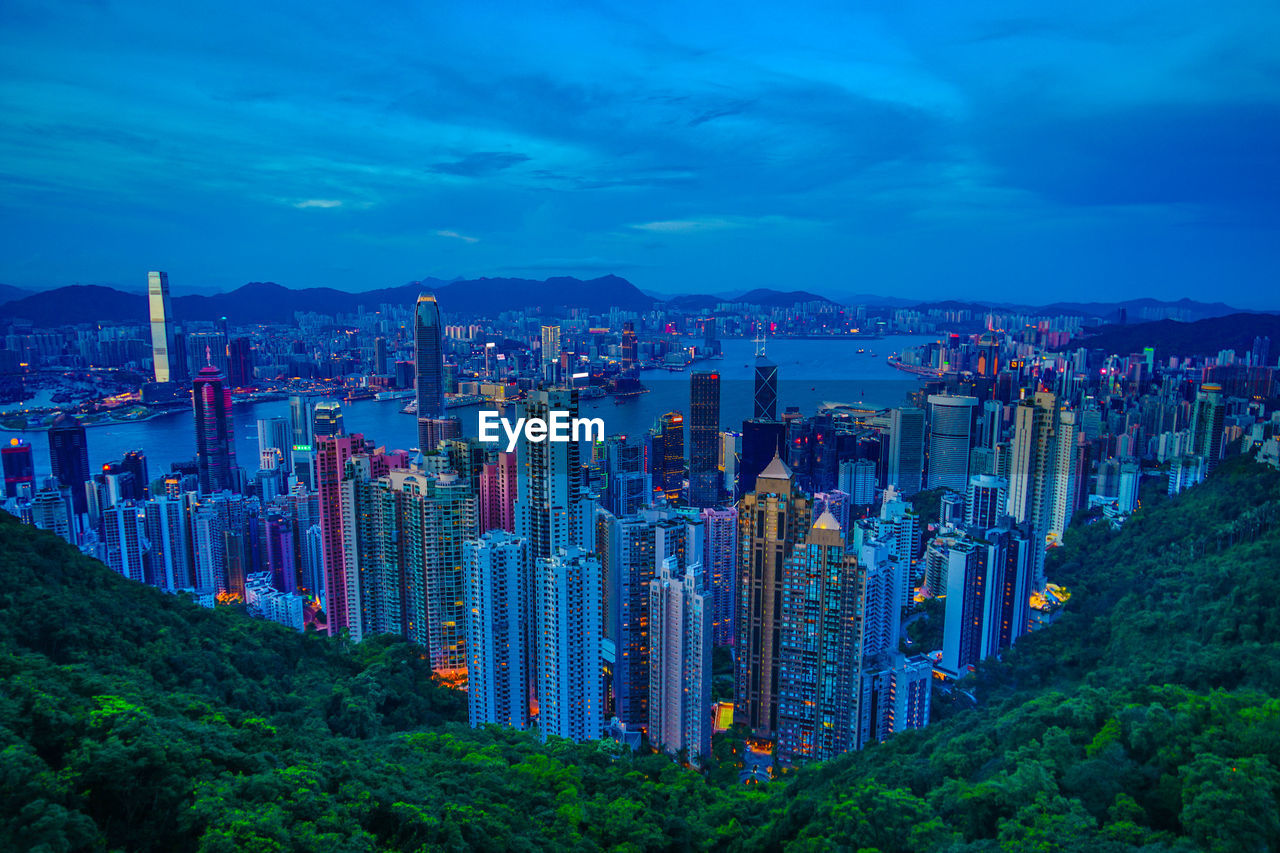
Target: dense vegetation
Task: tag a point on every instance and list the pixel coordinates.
(1144, 718)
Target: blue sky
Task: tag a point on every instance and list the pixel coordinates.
(986, 150)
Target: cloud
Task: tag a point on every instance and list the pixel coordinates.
(318, 202)
(684, 226)
(479, 164)
(454, 235)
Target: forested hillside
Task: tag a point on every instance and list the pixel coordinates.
(1145, 718)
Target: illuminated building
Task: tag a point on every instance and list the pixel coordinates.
(215, 446)
(498, 584)
(704, 434)
(680, 661)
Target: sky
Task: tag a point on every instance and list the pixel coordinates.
(1011, 151)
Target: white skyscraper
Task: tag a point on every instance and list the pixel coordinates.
(567, 604)
(680, 661)
(549, 504)
(950, 426)
(497, 578)
(169, 364)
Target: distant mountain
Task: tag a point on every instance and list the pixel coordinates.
(1170, 337)
(778, 298)
(268, 302)
(8, 293)
(1136, 310)
(78, 303)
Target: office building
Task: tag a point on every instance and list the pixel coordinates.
(497, 493)
(986, 501)
(906, 450)
(215, 445)
(720, 562)
(668, 456)
(551, 511)
(124, 540)
(19, 467)
(765, 397)
(950, 425)
(168, 363)
(69, 458)
(772, 520)
(428, 350)
(1207, 424)
(326, 420)
(704, 435)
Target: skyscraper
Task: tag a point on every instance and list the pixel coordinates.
(1207, 425)
(124, 540)
(819, 645)
(986, 501)
(498, 583)
(332, 454)
(19, 468)
(428, 349)
(69, 457)
(765, 397)
(704, 435)
(771, 521)
(906, 450)
(497, 493)
(630, 350)
(274, 434)
(215, 448)
(549, 505)
(1031, 463)
(326, 420)
(169, 364)
(680, 661)
(566, 607)
(669, 464)
(239, 362)
(720, 562)
(950, 425)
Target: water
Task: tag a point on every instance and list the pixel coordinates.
(810, 372)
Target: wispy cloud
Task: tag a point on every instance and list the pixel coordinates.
(684, 226)
(454, 235)
(318, 202)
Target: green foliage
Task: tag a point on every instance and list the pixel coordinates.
(1145, 718)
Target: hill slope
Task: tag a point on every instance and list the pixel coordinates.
(1145, 718)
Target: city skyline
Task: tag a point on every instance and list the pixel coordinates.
(1095, 153)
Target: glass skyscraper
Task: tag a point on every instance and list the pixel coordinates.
(428, 353)
(215, 450)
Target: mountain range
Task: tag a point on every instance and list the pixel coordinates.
(268, 302)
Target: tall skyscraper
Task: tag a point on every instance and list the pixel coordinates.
(332, 454)
(772, 520)
(124, 540)
(69, 457)
(550, 347)
(19, 468)
(986, 501)
(906, 450)
(1031, 462)
(215, 446)
(274, 434)
(628, 484)
(668, 475)
(761, 441)
(170, 534)
(168, 363)
(1207, 421)
(857, 479)
(680, 661)
(326, 420)
(819, 645)
(498, 583)
(239, 362)
(566, 607)
(720, 562)
(988, 587)
(630, 350)
(497, 493)
(135, 462)
(549, 506)
(428, 349)
(950, 425)
(704, 435)
(765, 397)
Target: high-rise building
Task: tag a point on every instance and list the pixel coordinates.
(772, 520)
(765, 397)
(668, 473)
(215, 445)
(497, 493)
(274, 437)
(704, 435)
(239, 363)
(135, 462)
(636, 546)
(498, 585)
(729, 462)
(630, 350)
(566, 608)
(950, 425)
(986, 501)
(51, 510)
(1065, 472)
(69, 457)
(550, 346)
(906, 450)
(761, 441)
(819, 645)
(332, 454)
(124, 538)
(720, 562)
(18, 464)
(988, 587)
(168, 363)
(680, 661)
(550, 509)
(428, 349)
(1031, 463)
(857, 479)
(628, 484)
(170, 534)
(1207, 420)
(326, 420)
